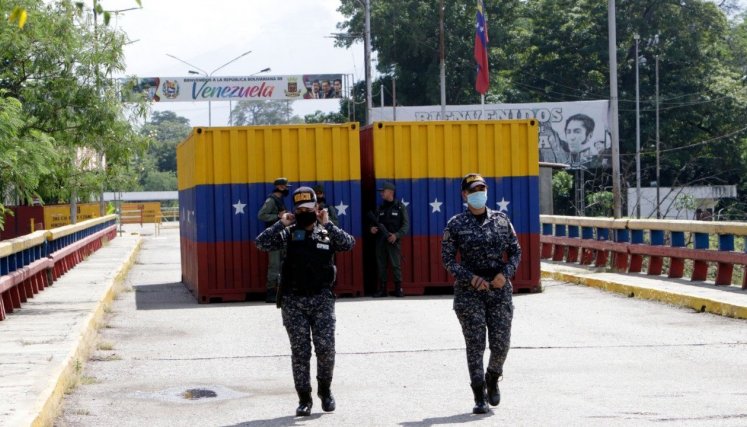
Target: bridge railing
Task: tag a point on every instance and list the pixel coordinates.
(625, 244)
(31, 263)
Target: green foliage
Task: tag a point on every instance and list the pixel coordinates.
(557, 50)
(405, 38)
(322, 117)
(59, 67)
(263, 113)
(562, 183)
(599, 204)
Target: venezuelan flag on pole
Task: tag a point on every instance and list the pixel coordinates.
(481, 50)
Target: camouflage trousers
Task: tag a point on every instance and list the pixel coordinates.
(308, 318)
(480, 310)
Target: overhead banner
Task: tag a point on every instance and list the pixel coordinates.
(573, 133)
(248, 88)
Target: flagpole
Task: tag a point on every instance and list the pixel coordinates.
(442, 60)
(482, 106)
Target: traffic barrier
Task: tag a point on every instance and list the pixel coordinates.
(630, 241)
(31, 263)
(426, 161)
(225, 175)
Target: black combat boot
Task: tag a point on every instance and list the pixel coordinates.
(381, 292)
(324, 393)
(304, 404)
(494, 394)
(481, 407)
(398, 290)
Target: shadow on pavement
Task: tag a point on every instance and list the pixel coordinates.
(282, 421)
(454, 419)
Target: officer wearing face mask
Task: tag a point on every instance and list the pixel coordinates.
(270, 213)
(308, 304)
(482, 291)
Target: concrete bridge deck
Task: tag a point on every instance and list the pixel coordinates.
(579, 356)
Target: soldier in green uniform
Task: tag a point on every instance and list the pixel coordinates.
(392, 216)
(322, 203)
(270, 213)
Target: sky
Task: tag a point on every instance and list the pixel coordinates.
(290, 37)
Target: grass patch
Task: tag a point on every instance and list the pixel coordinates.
(105, 358)
(105, 346)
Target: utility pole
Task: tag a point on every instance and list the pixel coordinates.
(658, 185)
(637, 38)
(614, 127)
(442, 59)
(367, 47)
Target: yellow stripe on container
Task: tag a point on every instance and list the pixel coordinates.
(413, 150)
(256, 154)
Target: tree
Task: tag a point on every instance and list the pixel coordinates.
(165, 131)
(58, 66)
(322, 117)
(405, 36)
(263, 113)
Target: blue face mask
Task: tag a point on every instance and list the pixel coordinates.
(477, 199)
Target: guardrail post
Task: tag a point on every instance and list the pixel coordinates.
(656, 262)
(587, 255)
(620, 259)
(725, 269)
(603, 234)
(546, 247)
(677, 265)
(700, 268)
(559, 250)
(572, 250)
(636, 260)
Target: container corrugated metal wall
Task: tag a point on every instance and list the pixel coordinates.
(427, 160)
(224, 177)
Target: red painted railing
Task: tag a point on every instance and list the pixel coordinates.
(623, 244)
(31, 263)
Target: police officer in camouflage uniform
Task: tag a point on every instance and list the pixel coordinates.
(392, 215)
(308, 304)
(270, 213)
(482, 292)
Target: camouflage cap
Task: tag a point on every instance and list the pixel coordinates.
(281, 181)
(387, 186)
(304, 197)
(472, 180)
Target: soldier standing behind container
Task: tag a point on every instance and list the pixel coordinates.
(308, 304)
(391, 224)
(321, 202)
(482, 292)
(270, 213)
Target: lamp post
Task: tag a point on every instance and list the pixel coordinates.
(658, 200)
(637, 38)
(367, 47)
(230, 101)
(208, 76)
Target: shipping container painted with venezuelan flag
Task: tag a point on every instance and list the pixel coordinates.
(224, 176)
(426, 161)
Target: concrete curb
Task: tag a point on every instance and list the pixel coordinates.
(682, 300)
(51, 399)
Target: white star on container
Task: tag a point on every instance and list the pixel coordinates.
(341, 208)
(404, 202)
(436, 205)
(502, 205)
(239, 207)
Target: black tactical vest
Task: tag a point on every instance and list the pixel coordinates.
(390, 215)
(308, 267)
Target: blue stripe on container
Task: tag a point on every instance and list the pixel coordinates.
(208, 214)
(425, 220)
